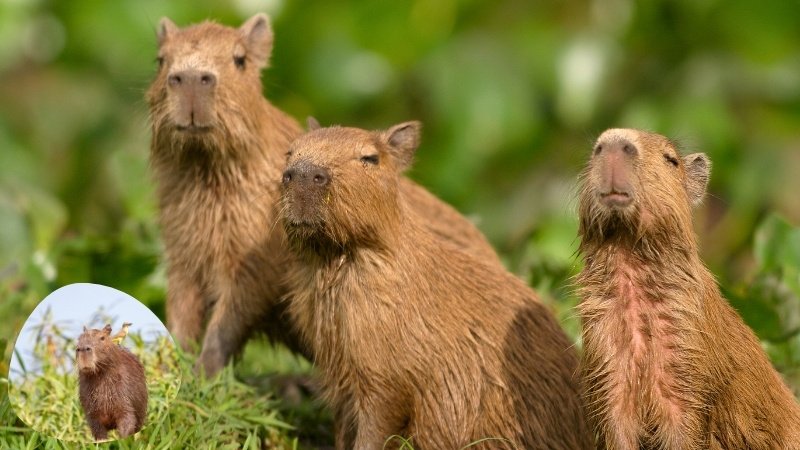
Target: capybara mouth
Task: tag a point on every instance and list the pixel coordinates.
(193, 129)
(615, 199)
(87, 369)
(302, 229)
(306, 235)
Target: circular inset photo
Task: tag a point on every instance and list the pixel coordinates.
(92, 364)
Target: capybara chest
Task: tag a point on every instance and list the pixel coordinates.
(233, 228)
(637, 332)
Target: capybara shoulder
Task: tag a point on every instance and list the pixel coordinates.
(667, 363)
(112, 387)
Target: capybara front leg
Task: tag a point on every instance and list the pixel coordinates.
(186, 309)
(377, 423)
(227, 330)
(126, 425)
(99, 432)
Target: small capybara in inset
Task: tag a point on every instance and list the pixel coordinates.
(113, 391)
(217, 154)
(667, 363)
(414, 337)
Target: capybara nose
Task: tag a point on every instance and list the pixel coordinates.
(319, 176)
(307, 173)
(616, 147)
(288, 175)
(192, 79)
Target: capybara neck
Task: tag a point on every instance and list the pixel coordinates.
(665, 269)
(330, 247)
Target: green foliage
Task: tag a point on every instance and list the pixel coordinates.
(770, 303)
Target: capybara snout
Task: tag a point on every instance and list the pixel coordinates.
(194, 95)
(615, 158)
(306, 174)
(306, 186)
(306, 189)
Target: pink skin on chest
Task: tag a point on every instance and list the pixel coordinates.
(641, 377)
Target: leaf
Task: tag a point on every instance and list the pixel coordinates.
(758, 313)
(777, 243)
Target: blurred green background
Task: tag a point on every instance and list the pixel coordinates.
(512, 94)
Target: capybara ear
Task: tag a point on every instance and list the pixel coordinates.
(257, 34)
(85, 329)
(166, 27)
(313, 124)
(698, 172)
(403, 140)
(107, 329)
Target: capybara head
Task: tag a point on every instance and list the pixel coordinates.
(340, 186)
(638, 182)
(92, 350)
(206, 73)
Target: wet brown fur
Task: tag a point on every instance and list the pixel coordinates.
(412, 336)
(218, 190)
(667, 363)
(112, 387)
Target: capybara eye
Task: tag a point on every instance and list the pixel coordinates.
(160, 61)
(671, 159)
(102, 338)
(598, 149)
(239, 61)
(370, 159)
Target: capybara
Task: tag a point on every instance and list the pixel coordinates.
(113, 391)
(667, 363)
(412, 336)
(218, 151)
